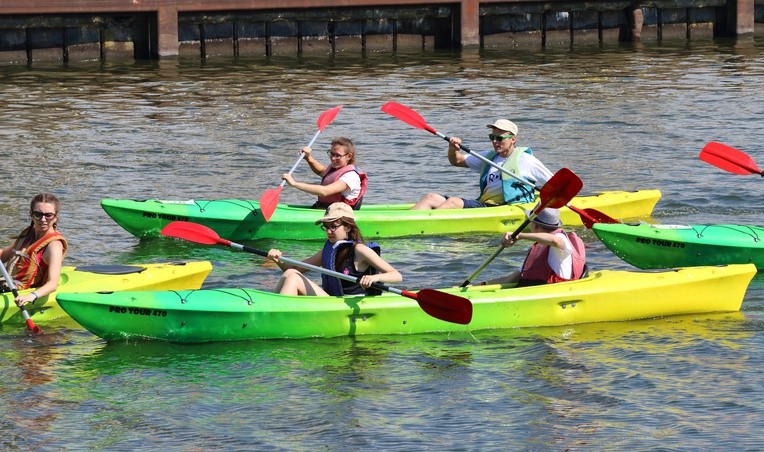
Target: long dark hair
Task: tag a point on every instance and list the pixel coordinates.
(354, 234)
(47, 198)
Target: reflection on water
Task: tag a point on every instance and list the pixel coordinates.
(550, 387)
(620, 117)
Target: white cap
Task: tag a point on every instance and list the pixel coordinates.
(505, 125)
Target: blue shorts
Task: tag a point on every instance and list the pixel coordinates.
(472, 203)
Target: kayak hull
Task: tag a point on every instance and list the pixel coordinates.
(167, 276)
(245, 314)
(650, 246)
(236, 219)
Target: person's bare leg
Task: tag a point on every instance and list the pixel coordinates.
(452, 203)
(293, 282)
(429, 201)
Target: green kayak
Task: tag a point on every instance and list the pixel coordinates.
(236, 219)
(245, 314)
(650, 246)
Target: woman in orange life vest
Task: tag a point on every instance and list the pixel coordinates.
(555, 255)
(341, 181)
(35, 258)
(344, 252)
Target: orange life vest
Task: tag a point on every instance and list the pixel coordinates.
(27, 267)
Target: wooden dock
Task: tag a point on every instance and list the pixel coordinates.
(73, 30)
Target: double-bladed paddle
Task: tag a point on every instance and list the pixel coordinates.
(441, 305)
(588, 216)
(557, 192)
(30, 324)
(729, 159)
(270, 199)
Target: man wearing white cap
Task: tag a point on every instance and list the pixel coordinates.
(496, 187)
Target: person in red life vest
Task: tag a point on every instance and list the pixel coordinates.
(496, 187)
(35, 258)
(556, 255)
(344, 251)
(341, 181)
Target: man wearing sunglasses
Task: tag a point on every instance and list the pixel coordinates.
(496, 187)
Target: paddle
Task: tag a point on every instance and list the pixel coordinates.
(588, 216)
(30, 324)
(270, 198)
(729, 159)
(560, 189)
(441, 305)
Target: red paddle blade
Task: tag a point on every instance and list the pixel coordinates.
(559, 190)
(32, 327)
(269, 201)
(327, 117)
(443, 306)
(601, 217)
(591, 216)
(729, 159)
(193, 232)
(407, 115)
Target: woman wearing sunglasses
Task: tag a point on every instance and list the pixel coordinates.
(341, 180)
(496, 187)
(344, 252)
(35, 258)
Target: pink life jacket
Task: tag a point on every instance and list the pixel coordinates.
(536, 269)
(331, 175)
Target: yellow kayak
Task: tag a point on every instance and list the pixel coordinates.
(246, 314)
(102, 278)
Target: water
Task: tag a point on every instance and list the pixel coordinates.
(620, 117)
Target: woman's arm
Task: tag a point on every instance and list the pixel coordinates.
(317, 189)
(544, 238)
(315, 166)
(54, 257)
(5, 253)
(387, 274)
(274, 255)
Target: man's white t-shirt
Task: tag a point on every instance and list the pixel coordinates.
(530, 167)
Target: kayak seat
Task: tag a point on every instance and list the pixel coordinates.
(585, 273)
(110, 269)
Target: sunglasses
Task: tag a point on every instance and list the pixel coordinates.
(330, 227)
(493, 137)
(37, 215)
(334, 155)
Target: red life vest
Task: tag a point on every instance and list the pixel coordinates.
(28, 268)
(536, 269)
(331, 175)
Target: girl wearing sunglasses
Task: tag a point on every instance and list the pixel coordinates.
(344, 251)
(341, 180)
(36, 256)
